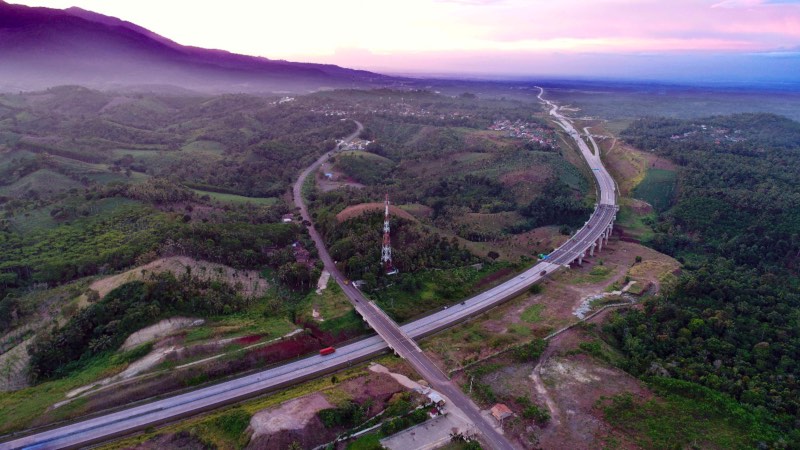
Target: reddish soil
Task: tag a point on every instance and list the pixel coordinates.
(140, 389)
(657, 162)
(247, 340)
(640, 207)
(378, 387)
(543, 239)
(357, 210)
(312, 435)
(625, 237)
(536, 176)
(491, 278)
(287, 349)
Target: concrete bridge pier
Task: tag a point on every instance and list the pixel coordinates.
(591, 249)
(580, 258)
(600, 242)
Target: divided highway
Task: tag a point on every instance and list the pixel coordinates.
(162, 411)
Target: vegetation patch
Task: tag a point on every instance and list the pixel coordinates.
(104, 325)
(657, 188)
(532, 314)
(415, 293)
(686, 415)
(233, 198)
(729, 321)
(596, 274)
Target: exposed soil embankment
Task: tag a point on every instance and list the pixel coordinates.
(297, 420)
(159, 330)
(293, 421)
(247, 282)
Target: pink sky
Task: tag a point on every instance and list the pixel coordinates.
(453, 36)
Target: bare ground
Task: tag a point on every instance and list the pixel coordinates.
(292, 415)
(570, 387)
(562, 295)
(159, 330)
(247, 282)
(297, 420)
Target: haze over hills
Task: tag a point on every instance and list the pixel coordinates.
(42, 47)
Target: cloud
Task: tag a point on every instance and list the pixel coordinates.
(752, 3)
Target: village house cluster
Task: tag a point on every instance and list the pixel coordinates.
(525, 130)
(355, 144)
(401, 109)
(718, 135)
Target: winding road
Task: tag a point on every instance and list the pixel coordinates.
(401, 339)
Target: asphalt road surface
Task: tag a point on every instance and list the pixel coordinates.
(138, 417)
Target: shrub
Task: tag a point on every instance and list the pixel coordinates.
(233, 423)
(539, 415)
(530, 351)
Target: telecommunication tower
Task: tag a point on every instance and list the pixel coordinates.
(386, 247)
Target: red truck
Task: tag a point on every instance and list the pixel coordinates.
(327, 351)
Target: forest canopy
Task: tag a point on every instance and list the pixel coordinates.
(732, 320)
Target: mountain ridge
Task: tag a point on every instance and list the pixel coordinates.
(43, 47)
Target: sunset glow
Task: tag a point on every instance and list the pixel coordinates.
(405, 36)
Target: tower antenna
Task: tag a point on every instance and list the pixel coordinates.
(386, 247)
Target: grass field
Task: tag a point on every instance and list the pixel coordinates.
(657, 188)
(533, 313)
(367, 155)
(438, 288)
(634, 223)
(212, 147)
(232, 198)
(41, 218)
(686, 416)
(43, 183)
(330, 304)
(596, 275)
(100, 173)
(138, 153)
(251, 321)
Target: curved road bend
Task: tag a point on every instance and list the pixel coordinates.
(123, 422)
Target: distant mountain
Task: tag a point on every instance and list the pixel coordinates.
(42, 47)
